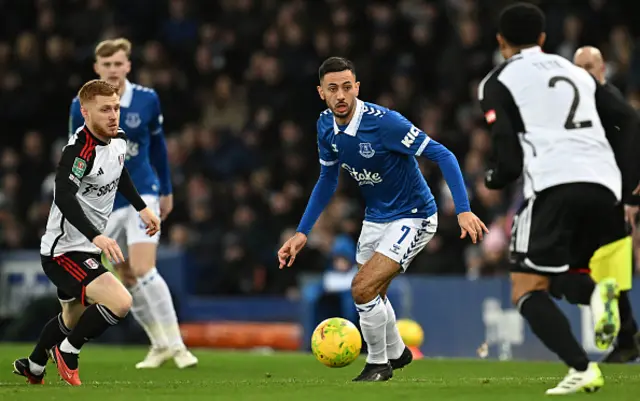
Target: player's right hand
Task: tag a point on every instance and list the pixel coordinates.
(110, 248)
(287, 254)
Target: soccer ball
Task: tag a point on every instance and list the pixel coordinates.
(411, 332)
(336, 342)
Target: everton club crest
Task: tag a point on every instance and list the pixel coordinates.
(132, 120)
(366, 150)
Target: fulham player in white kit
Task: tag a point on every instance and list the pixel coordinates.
(90, 173)
(546, 117)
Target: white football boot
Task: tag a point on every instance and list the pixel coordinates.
(183, 358)
(589, 381)
(156, 358)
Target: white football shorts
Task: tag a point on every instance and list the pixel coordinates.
(126, 227)
(400, 240)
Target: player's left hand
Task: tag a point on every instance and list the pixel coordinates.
(471, 225)
(166, 206)
(151, 220)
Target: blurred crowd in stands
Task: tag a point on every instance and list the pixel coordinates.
(237, 80)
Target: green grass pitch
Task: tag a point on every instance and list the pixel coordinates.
(108, 374)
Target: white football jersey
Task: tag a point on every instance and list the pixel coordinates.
(554, 111)
(95, 169)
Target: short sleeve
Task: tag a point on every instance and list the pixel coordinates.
(325, 151)
(400, 135)
(75, 162)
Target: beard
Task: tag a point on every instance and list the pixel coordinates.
(105, 131)
(344, 113)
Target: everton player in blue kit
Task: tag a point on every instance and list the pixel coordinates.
(378, 148)
(147, 163)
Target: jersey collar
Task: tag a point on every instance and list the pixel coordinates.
(127, 95)
(532, 49)
(88, 132)
(354, 124)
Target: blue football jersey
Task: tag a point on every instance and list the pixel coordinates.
(378, 149)
(140, 117)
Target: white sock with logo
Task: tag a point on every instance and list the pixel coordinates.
(161, 303)
(395, 345)
(143, 314)
(373, 323)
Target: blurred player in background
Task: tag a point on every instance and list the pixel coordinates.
(616, 258)
(548, 120)
(90, 172)
(147, 161)
(378, 148)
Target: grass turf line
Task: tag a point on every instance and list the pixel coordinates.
(108, 374)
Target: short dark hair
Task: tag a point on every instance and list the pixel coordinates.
(521, 24)
(335, 64)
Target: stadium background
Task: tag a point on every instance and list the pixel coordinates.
(237, 79)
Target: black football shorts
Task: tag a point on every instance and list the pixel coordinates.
(72, 272)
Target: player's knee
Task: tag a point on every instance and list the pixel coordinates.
(362, 289)
(524, 283)
(110, 292)
(121, 304)
(120, 301)
(142, 270)
(362, 295)
(142, 258)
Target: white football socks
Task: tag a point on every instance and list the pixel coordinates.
(161, 305)
(35, 368)
(66, 346)
(142, 313)
(373, 323)
(395, 345)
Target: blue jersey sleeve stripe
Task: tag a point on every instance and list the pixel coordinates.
(423, 146)
(328, 163)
